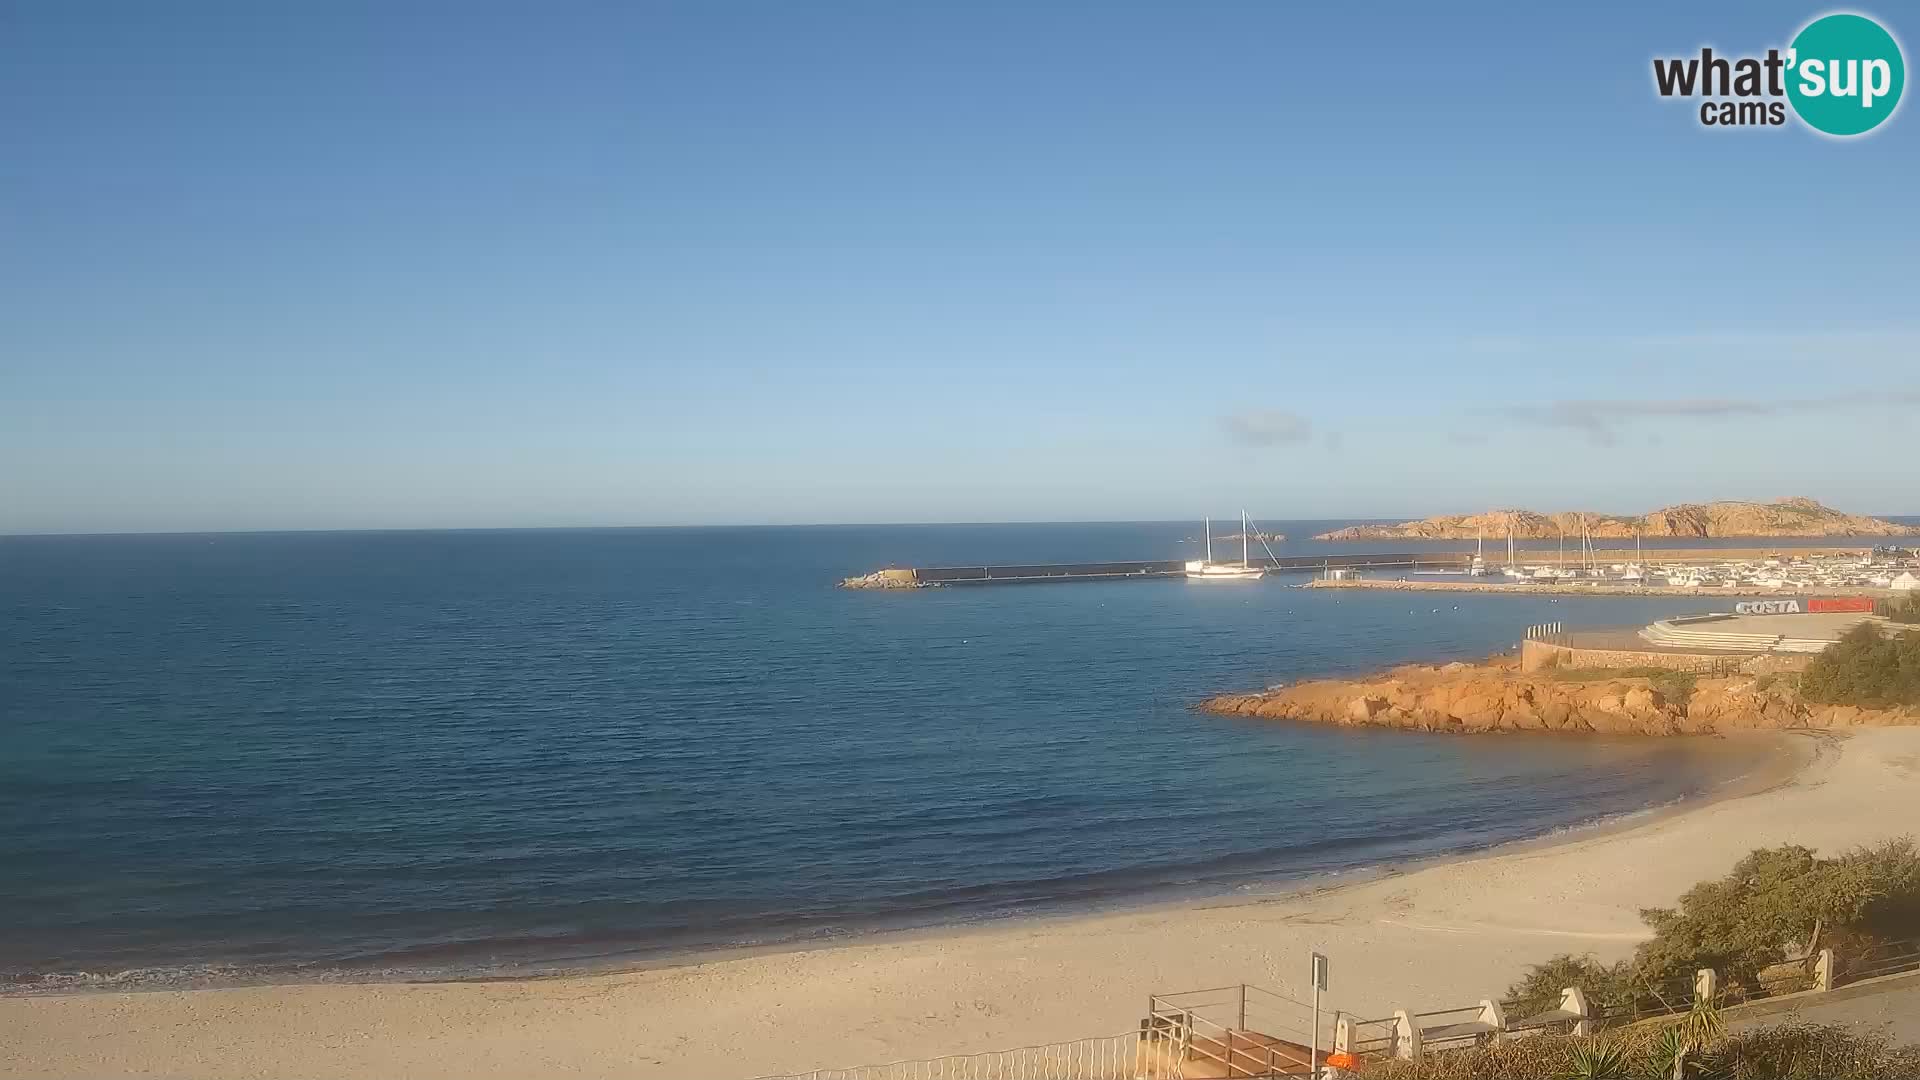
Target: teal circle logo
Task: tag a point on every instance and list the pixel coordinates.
(1845, 74)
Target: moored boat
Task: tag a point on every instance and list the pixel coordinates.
(1208, 570)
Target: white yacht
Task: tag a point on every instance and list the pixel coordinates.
(1208, 570)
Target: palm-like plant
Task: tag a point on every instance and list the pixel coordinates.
(1667, 1055)
(1598, 1061)
(1677, 1052)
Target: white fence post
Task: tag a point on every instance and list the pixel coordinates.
(1706, 985)
(1406, 1036)
(1494, 1017)
(1574, 1000)
(1823, 970)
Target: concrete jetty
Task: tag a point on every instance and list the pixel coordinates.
(1145, 569)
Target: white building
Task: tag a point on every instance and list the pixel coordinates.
(1906, 580)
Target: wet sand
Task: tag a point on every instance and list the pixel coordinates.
(1435, 936)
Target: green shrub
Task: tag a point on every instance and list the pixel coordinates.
(1546, 1057)
(1599, 1061)
(1776, 903)
(1788, 1052)
(1905, 611)
(1781, 902)
(1805, 1052)
(1606, 986)
(1675, 686)
(1866, 667)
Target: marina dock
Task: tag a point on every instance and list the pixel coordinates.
(1014, 574)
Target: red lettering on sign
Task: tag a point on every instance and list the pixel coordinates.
(1841, 603)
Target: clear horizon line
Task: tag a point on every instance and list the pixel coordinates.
(1348, 519)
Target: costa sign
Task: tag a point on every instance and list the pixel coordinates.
(1767, 607)
(1841, 603)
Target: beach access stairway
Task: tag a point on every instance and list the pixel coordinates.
(1239, 1032)
(1245, 1032)
(1234, 1031)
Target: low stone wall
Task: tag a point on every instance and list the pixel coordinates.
(1535, 655)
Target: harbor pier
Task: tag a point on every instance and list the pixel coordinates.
(1028, 573)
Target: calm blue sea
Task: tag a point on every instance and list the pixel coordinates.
(236, 757)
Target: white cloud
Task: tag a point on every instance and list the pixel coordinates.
(1267, 427)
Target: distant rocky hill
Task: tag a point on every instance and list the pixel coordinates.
(1783, 517)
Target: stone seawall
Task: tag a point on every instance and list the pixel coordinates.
(1539, 655)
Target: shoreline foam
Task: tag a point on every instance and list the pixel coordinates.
(1256, 886)
(1425, 936)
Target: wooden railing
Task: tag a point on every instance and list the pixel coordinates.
(1246, 1032)
(1240, 1031)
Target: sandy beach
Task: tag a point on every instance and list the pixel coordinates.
(1439, 935)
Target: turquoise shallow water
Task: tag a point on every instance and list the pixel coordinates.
(299, 755)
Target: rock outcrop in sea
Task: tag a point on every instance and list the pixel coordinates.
(890, 578)
(1782, 517)
(1497, 697)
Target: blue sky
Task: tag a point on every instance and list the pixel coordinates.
(391, 265)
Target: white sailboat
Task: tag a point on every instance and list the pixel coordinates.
(1478, 568)
(1208, 570)
(1635, 571)
(1553, 573)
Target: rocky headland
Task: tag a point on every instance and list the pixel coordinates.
(1497, 697)
(1782, 517)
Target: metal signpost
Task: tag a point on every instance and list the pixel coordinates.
(1319, 984)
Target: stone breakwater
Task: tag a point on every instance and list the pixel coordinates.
(1497, 697)
(892, 578)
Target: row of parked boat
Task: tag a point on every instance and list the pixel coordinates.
(1811, 572)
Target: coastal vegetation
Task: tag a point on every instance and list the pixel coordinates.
(1906, 611)
(1783, 1052)
(1866, 667)
(1753, 926)
(1676, 686)
(1782, 517)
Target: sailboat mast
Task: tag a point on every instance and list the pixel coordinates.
(1209, 524)
(1245, 528)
